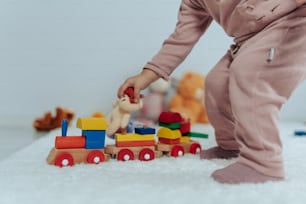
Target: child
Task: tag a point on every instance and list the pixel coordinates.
(247, 88)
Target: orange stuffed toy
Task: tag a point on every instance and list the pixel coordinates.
(189, 99)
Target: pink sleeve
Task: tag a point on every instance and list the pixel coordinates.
(193, 21)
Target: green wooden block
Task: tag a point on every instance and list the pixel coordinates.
(172, 126)
(196, 134)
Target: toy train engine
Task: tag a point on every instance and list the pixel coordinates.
(87, 148)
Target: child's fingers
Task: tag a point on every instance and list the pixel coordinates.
(136, 94)
(120, 92)
(122, 88)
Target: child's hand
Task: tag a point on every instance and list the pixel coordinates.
(138, 82)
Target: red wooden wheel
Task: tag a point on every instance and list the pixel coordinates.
(125, 155)
(95, 157)
(64, 159)
(177, 151)
(195, 148)
(146, 154)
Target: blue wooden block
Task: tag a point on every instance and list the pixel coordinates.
(95, 139)
(145, 131)
(95, 142)
(300, 133)
(93, 133)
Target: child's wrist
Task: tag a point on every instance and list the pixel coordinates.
(150, 74)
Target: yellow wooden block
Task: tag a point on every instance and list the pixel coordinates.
(92, 123)
(133, 137)
(168, 133)
(184, 139)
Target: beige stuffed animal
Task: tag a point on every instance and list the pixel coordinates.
(120, 115)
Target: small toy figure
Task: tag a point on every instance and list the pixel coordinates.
(47, 122)
(119, 118)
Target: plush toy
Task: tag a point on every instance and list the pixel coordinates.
(119, 117)
(48, 122)
(154, 102)
(189, 98)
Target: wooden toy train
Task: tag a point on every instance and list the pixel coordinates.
(173, 140)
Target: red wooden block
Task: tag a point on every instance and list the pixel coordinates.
(185, 127)
(135, 143)
(170, 117)
(69, 142)
(169, 141)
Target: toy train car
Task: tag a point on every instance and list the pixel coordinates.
(174, 135)
(173, 140)
(139, 145)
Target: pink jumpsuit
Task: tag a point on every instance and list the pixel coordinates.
(248, 86)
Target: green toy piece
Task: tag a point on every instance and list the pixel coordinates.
(172, 126)
(196, 134)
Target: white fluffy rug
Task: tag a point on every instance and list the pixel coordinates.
(25, 177)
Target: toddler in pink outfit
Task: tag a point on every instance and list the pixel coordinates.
(246, 89)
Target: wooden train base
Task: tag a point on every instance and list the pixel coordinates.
(143, 153)
(69, 157)
(177, 150)
(148, 153)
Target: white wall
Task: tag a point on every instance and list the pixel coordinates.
(76, 53)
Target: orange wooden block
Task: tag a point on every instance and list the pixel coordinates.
(69, 142)
(135, 143)
(169, 141)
